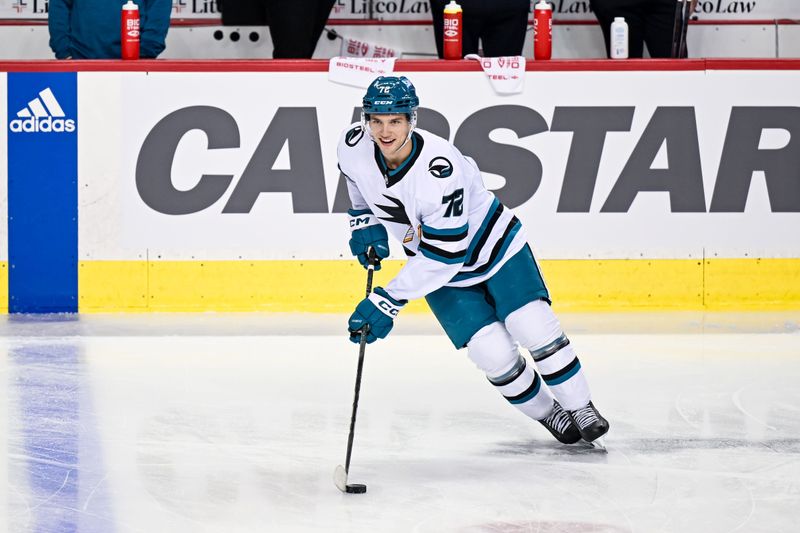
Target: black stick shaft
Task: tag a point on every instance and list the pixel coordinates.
(687, 12)
(362, 347)
(677, 29)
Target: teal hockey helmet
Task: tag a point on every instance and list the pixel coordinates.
(390, 95)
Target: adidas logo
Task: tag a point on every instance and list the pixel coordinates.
(42, 114)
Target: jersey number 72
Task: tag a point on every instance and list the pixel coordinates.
(455, 203)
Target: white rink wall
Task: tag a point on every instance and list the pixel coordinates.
(192, 177)
(298, 131)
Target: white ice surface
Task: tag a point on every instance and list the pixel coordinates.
(235, 423)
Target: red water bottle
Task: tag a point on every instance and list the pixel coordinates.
(542, 30)
(452, 31)
(130, 31)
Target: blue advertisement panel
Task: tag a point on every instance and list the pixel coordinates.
(42, 192)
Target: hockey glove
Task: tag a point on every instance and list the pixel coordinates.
(375, 312)
(367, 232)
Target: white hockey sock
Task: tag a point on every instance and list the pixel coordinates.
(495, 353)
(562, 372)
(525, 390)
(536, 328)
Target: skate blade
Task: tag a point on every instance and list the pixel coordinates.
(600, 444)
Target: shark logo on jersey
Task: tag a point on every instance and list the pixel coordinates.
(440, 167)
(353, 136)
(396, 212)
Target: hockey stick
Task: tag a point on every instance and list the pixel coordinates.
(683, 12)
(687, 13)
(341, 472)
(677, 28)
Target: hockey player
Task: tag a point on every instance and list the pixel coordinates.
(467, 255)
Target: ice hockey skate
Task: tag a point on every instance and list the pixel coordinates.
(559, 423)
(590, 423)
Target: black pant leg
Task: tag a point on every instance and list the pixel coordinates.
(504, 34)
(295, 26)
(659, 27)
(606, 10)
(604, 18)
(321, 14)
(471, 32)
(437, 11)
(637, 23)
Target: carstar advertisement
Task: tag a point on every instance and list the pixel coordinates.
(244, 164)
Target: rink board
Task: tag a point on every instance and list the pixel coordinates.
(218, 190)
(333, 286)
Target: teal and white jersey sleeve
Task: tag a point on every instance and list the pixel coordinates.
(357, 201)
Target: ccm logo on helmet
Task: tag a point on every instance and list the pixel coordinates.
(440, 167)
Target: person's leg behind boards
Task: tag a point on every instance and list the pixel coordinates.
(504, 32)
(659, 27)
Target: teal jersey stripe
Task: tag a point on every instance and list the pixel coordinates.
(445, 235)
(506, 243)
(436, 254)
(445, 231)
(482, 229)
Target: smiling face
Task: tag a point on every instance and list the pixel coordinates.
(390, 132)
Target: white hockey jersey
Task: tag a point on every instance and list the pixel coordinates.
(454, 231)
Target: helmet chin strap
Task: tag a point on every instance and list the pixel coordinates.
(412, 123)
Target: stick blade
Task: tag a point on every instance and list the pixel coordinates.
(340, 478)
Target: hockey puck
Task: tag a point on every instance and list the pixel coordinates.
(356, 488)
